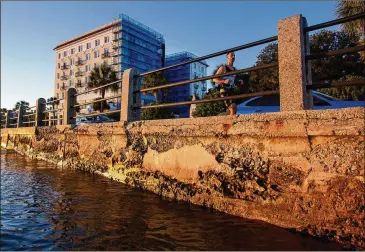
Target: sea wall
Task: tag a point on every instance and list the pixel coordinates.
(302, 170)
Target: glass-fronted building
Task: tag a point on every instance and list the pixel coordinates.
(181, 73)
(137, 46)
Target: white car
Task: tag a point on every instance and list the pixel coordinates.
(271, 103)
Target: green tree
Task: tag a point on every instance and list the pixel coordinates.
(101, 76)
(337, 68)
(349, 8)
(153, 80)
(156, 113)
(216, 108)
(356, 27)
(24, 103)
(265, 79)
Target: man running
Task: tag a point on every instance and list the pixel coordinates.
(227, 83)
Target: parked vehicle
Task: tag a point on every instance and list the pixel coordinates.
(93, 119)
(271, 103)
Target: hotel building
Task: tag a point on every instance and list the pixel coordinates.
(123, 43)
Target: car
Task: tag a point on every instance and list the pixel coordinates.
(271, 103)
(93, 119)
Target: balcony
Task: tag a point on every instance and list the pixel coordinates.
(79, 74)
(63, 88)
(64, 77)
(105, 55)
(64, 67)
(79, 63)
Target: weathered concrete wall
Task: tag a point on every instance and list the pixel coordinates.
(301, 170)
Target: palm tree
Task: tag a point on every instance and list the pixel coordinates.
(354, 28)
(153, 80)
(101, 76)
(349, 8)
(53, 105)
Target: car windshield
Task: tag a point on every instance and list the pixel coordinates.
(104, 118)
(330, 98)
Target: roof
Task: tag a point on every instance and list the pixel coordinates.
(87, 34)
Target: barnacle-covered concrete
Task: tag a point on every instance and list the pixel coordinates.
(300, 170)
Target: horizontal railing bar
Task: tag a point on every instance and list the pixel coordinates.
(245, 70)
(101, 113)
(48, 120)
(337, 84)
(87, 103)
(209, 100)
(29, 122)
(93, 89)
(53, 110)
(13, 118)
(334, 22)
(53, 101)
(335, 53)
(237, 48)
(11, 124)
(27, 108)
(29, 114)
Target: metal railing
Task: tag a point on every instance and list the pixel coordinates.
(321, 55)
(30, 117)
(186, 82)
(78, 105)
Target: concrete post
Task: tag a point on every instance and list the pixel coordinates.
(129, 99)
(20, 116)
(68, 110)
(7, 119)
(293, 45)
(40, 107)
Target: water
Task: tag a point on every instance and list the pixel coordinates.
(45, 208)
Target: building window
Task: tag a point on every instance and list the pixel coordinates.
(58, 95)
(58, 75)
(88, 45)
(96, 54)
(97, 42)
(87, 68)
(72, 50)
(80, 48)
(71, 72)
(58, 85)
(70, 83)
(59, 65)
(106, 50)
(106, 39)
(88, 56)
(71, 62)
(59, 55)
(194, 65)
(64, 53)
(95, 65)
(63, 95)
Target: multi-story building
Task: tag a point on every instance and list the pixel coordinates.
(123, 43)
(181, 73)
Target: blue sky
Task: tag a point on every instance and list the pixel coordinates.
(30, 30)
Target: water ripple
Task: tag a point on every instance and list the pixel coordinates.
(46, 208)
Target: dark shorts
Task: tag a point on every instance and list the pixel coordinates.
(225, 93)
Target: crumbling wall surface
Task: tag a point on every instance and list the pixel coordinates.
(302, 170)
